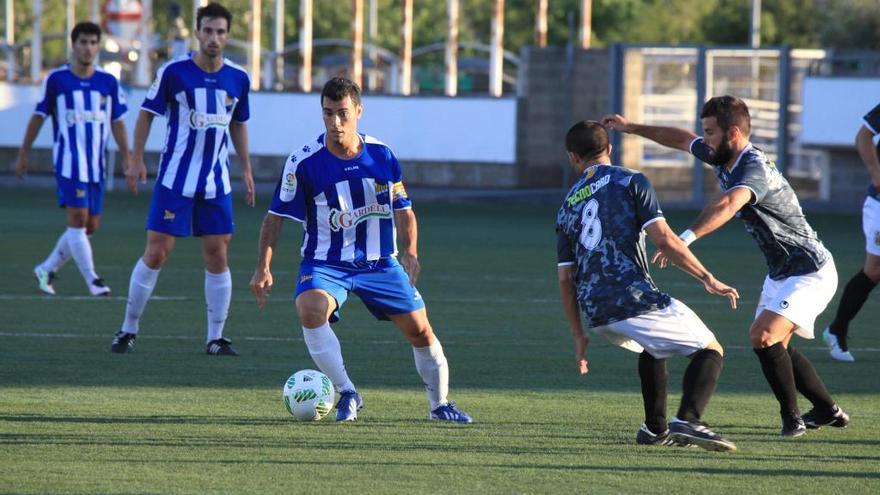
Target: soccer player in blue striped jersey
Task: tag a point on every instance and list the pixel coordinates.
(204, 98)
(85, 104)
(346, 189)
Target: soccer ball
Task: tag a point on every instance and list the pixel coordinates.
(308, 395)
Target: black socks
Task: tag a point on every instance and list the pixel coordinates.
(854, 296)
(778, 370)
(699, 383)
(653, 376)
(808, 382)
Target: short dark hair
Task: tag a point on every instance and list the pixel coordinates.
(728, 111)
(85, 27)
(213, 11)
(587, 139)
(338, 88)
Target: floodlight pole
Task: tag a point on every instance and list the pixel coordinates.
(142, 69)
(451, 86)
(95, 11)
(406, 36)
(357, 42)
(755, 40)
(305, 45)
(69, 21)
(37, 41)
(9, 35)
(541, 23)
(372, 34)
(255, 51)
(586, 30)
(496, 54)
(278, 47)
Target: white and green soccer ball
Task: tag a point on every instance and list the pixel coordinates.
(308, 395)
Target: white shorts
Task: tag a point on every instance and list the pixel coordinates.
(800, 299)
(664, 333)
(871, 225)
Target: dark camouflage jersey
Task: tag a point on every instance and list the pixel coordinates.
(599, 230)
(872, 122)
(774, 216)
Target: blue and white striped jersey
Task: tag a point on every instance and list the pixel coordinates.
(347, 206)
(199, 107)
(81, 110)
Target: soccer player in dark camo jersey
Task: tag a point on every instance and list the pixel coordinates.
(802, 277)
(863, 282)
(603, 272)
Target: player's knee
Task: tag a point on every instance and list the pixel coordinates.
(155, 256)
(715, 346)
(760, 337)
(872, 271)
(312, 310)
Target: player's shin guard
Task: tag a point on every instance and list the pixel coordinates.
(140, 288)
(327, 354)
(699, 382)
(654, 376)
(854, 296)
(434, 371)
(808, 382)
(218, 293)
(81, 250)
(778, 370)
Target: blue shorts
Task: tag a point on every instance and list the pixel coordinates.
(175, 214)
(382, 285)
(75, 194)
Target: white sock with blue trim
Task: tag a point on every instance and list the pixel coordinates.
(326, 352)
(432, 367)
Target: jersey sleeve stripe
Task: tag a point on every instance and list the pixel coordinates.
(565, 263)
(870, 127)
(653, 220)
(300, 220)
(694, 140)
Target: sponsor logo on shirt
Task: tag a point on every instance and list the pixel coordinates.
(347, 219)
(169, 215)
(85, 116)
(203, 120)
(587, 191)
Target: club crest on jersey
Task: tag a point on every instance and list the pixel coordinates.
(230, 103)
(340, 220)
(202, 120)
(381, 188)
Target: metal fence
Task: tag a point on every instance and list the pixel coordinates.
(667, 85)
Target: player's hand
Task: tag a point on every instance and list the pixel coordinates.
(616, 122)
(714, 286)
(21, 166)
(261, 285)
(660, 259)
(410, 263)
(250, 192)
(580, 348)
(135, 173)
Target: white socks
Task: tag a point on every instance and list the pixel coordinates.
(218, 293)
(432, 367)
(140, 287)
(59, 255)
(81, 250)
(327, 354)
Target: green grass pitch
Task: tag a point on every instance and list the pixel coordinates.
(75, 418)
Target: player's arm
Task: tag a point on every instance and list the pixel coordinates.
(671, 137)
(675, 250)
(121, 138)
(239, 134)
(261, 282)
(137, 169)
(408, 235)
(868, 153)
(30, 134)
(568, 295)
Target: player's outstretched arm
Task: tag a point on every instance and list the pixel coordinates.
(137, 168)
(714, 215)
(671, 137)
(238, 132)
(568, 295)
(30, 134)
(408, 234)
(677, 252)
(261, 282)
(868, 153)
